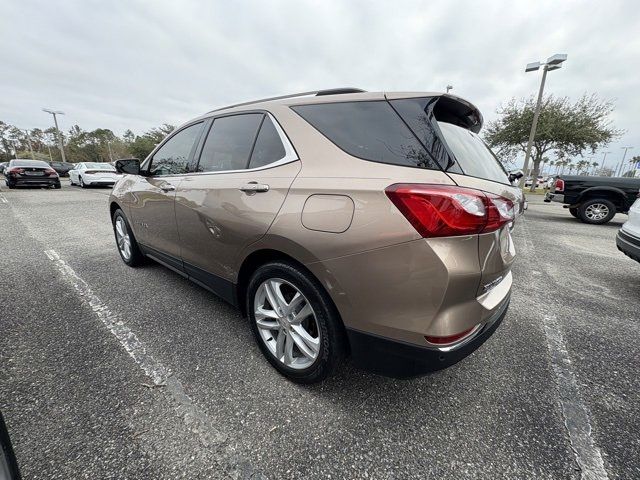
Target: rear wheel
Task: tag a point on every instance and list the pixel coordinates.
(126, 242)
(596, 211)
(11, 185)
(294, 322)
(574, 212)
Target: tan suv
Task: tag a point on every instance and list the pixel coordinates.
(340, 222)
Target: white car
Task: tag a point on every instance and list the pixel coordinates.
(628, 238)
(87, 174)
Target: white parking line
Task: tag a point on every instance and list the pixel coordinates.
(195, 419)
(575, 412)
(2, 199)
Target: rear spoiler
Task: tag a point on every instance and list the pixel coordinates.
(455, 110)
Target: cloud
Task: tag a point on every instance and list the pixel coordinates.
(137, 64)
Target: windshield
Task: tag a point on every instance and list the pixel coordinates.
(100, 166)
(29, 163)
(472, 154)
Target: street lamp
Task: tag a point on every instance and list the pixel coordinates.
(621, 166)
(55, 120)
(553, 63)
(604, 158)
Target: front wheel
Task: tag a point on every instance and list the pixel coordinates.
(126, 242)
(596, 211)
(294, 322)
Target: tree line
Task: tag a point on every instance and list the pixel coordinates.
(99, 145)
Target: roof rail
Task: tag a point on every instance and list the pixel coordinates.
(333, 91)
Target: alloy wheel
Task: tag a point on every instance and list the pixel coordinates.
(123, 238)
(596, 211)
(287, 323)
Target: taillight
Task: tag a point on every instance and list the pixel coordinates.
(448, 340)
(15, 171)
(50, 172)
(446, 211)
(558, 185)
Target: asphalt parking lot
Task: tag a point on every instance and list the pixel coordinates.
(553, 394)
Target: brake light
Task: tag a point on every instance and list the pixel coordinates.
(50, 172)
(558, 185)
(446, 211)
(442, 341)
(15, 171)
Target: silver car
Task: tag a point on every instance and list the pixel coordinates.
(628, 238)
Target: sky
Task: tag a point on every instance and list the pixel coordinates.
(137, 64)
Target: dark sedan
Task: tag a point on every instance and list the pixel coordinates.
(62, 168)
(33, 173)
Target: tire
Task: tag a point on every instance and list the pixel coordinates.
(11, 185)
(135, 257)
(574, 212)
(322, 323)
(57, 186)
(82, 184)
(596, 211)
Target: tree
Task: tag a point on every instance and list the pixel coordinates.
(564, 128)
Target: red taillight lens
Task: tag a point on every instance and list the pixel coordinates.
(446, 211)
(15, 171)
(451, 338)
(558, 185)
(50, 172)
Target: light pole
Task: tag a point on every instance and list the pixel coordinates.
(621, 166)
(55, 120)
(29, 143)
(553, 63)
(604, 158)
(449, 87)
(110, 152)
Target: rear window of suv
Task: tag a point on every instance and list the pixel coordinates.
(369, 130)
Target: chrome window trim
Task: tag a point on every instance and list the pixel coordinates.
(289, 157)
(290, 154)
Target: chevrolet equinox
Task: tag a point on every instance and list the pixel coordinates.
(340, 222)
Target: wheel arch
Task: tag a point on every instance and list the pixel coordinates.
(260, 257)
(615, 195)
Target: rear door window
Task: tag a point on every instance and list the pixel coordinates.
(268, 148)
(229, 143)
(369, 130)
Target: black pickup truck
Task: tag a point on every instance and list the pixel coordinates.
(594, 199)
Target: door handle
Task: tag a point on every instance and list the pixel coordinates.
(167, 187)
(254, 187)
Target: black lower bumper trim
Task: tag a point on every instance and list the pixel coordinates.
(628, 245)
(397, 359)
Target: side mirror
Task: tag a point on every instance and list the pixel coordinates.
(129, 165)
(515, 175)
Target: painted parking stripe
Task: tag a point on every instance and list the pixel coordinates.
(575, 412)
(195, 419)
(2, 199)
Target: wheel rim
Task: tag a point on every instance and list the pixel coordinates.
(123, 238)
(596, 211)
(287, 323)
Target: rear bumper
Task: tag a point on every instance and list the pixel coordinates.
(628, 244)
(554, 197)
(393, 358)
(36, 181)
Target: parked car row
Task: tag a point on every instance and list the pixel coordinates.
(25, 172)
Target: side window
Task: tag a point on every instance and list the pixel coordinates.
(268, 147)
(229, 143)
(173, 157)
